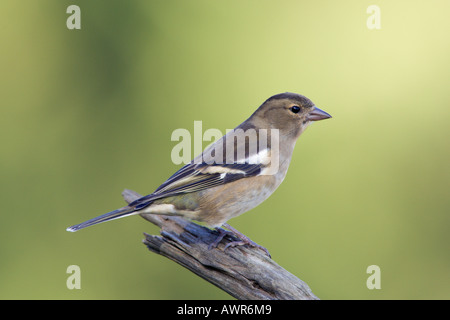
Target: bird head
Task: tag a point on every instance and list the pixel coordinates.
(291, 113)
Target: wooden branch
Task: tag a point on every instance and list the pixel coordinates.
(245, 273)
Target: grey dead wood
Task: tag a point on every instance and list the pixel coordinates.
(244, 272)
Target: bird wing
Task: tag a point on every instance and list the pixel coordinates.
(205, 172)
(196, 177)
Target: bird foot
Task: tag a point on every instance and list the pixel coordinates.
(222, 234)
(244, 240)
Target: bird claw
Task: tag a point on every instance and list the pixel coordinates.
(243, 240)
(222, 234)
(250, 243)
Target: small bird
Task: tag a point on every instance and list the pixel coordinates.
(234, 174)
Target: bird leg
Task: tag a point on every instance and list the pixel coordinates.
(243, 239)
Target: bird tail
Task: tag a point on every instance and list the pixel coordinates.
(116, 214)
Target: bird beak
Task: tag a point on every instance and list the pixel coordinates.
(317, 114)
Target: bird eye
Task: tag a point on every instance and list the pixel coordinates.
(295, 109)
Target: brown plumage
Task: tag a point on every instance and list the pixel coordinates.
(236, 173)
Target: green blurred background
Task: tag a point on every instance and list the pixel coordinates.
(86, 113)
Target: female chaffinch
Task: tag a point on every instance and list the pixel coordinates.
(234, 174)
